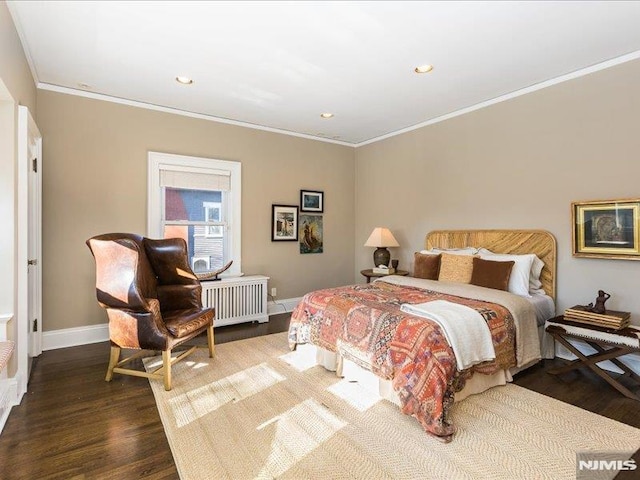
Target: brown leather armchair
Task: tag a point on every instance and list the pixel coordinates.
(152, 298)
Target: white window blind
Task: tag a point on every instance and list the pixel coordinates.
(195, 181)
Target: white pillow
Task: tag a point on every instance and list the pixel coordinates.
(520, 273)
(536, 270)
(453, 251)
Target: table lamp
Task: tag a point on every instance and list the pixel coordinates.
(381, 238)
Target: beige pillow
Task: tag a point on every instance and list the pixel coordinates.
(456, 268)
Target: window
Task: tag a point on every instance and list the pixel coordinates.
(197, 199)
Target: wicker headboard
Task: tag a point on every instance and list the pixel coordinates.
(540, 242)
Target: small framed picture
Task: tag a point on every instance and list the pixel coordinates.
(606, 229)
(311, 201)
(284, 223)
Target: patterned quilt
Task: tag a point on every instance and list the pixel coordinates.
(364, 324)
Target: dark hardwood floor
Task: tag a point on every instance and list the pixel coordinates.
(72, 424)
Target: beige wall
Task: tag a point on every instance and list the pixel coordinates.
(516, 164)
(95, 181)
(16, 88)
(14, 69)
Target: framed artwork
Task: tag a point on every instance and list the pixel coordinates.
(606, 229)
(284, 223)
(310, 233)
(311, 201)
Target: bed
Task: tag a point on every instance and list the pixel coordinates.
(372, 332)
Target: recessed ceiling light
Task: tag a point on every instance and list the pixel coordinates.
(326, 115)
(423, 69)
(184, 80)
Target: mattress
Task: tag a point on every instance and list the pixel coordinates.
(545, 308)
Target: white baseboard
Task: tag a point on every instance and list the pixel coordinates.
(632, 360)
(18, 388)
(73, 337)
(282, 306)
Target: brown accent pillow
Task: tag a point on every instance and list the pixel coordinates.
(456, 268)
(491, 274)
(426, 266)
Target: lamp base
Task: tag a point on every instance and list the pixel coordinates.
(381, 256)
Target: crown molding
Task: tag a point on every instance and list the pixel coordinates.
(175, 111)
(502, 98)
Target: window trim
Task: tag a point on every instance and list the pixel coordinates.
(167, 161)
(220, 223)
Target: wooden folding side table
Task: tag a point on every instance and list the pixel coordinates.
(609, 345)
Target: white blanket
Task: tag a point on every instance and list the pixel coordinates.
(465, 329)
(524, 315)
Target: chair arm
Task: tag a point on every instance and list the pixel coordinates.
(145, 330)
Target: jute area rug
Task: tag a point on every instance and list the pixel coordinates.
(258, 410)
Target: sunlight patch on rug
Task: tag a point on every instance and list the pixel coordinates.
(302, 358)
(296, 433)
(152, 363)
(355, 394)
(201, 401)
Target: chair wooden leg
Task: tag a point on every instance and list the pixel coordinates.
(113, 360)
(210, 341)
(166, 362)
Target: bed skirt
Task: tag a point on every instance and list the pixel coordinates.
(476, 384)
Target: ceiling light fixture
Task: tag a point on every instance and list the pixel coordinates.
(184, 80)
(326, 115)
(423, 69)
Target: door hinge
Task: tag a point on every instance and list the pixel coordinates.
(35, 324)
(35, 165)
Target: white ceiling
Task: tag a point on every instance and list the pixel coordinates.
(280, 64)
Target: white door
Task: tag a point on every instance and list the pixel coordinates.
(29, 245)
(35, 243)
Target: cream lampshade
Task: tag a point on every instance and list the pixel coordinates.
(381, 238)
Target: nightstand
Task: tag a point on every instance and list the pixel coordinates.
(609, 345)
(369, 274)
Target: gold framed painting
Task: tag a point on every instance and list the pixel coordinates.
(606, 229)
